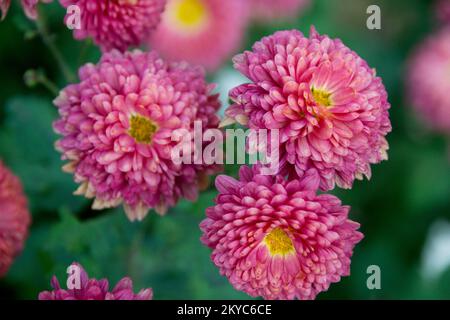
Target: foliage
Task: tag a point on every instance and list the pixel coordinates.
(396, 208)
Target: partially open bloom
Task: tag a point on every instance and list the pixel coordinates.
(117, 24)
(14, 218)
(330, 107)
(203, 32)
(117, 124)
(268, 9)
(443, 11)
(279, 239)
(93, 289)
(429, 80)
(29, 7)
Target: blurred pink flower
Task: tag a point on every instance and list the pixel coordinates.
(203, 32)
(4, 7)
(93, 289)
(14, 218)
(279, 239)
(268, 9)
(117, 24)
(117, 124)
(443, 11)
(428, 83)
(330, 107)
(29, 7)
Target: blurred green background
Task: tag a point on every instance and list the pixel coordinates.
(404, 210)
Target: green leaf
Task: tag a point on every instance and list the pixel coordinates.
(26, 145)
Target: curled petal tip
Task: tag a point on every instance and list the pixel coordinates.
(227, 122)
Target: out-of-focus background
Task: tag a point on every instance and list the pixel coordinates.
(404, 210)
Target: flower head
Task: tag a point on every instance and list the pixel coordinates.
(279, 239)
(428, 80)
(93, 289)
(203, 32)
(117, 24)
(117, 124)
(269, 9)
(330, 108)
(14, 218)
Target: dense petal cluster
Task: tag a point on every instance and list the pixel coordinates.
(29, 7)
(429, 80)
(203, 32)
(117, 24)
(269, 9)
(93, 289)
(14, 218)
(117, 125)
(330, 107)
(279, 239)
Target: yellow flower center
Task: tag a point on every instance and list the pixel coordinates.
(142, 129)
(278, 242)
(321, 97)
(188, 15)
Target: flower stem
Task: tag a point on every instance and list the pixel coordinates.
(48, 41)
(34, 77)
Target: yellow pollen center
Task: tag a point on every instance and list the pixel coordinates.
(142, 129)
(278, 242)
(189, 14)
(321, 97)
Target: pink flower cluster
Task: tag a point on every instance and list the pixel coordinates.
(276, 238)
(428, 80)
(117, 124)
(329, 105)
(14, 218)
(117, 24)
(93, 289)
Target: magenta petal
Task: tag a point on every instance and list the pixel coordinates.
(310, 181)
(226, 184)
(4, 7)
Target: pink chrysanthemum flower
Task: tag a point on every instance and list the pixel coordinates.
(330, 108)
(269, 9)
(29, 7)
(93, 289)
(117, 24)
(203, 32)
(14, 218)
(279, 239)
(443, 11)
(117, 126)
(429, 80)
